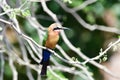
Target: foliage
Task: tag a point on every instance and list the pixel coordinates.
(88, 42)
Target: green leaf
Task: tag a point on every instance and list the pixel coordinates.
(26, 13)
(104, 59)
(90, 18)
(69, 1)
(118, 36)
(13, 15)
(73, 58)
(76, 3)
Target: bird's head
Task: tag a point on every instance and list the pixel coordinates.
(54, 28)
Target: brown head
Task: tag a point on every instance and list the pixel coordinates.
(53, 35)
(55, 28)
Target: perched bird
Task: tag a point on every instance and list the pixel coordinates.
(50, 40)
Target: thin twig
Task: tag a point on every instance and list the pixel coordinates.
(84, 4)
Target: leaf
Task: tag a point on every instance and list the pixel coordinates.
(69, 1)
(76, 3)
(104, 59)
(118, 36)
(90, 18)
(26, 13)
(73, 58)
(13, 15)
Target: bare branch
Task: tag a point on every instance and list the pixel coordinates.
(84, 4)
(48, 11)
(86, 25)
(102, 53)
(38, 0)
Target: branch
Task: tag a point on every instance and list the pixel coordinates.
(41, 30)
(102, 52)
(2, 65)
(69, 45)
(56, 20)
(56, 75)
(84, 4)
(50, 13)
(37, 0)
(86, 25)
(15, 74)
(25, 57)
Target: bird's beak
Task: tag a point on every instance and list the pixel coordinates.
(61, 28)
(65, 28)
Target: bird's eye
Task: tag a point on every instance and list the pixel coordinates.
(56, 28)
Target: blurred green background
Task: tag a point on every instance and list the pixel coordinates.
(102, 12)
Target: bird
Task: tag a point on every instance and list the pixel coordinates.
(50, 40)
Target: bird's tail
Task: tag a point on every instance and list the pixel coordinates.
(45, 61)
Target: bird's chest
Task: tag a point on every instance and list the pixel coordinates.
(52, 40)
